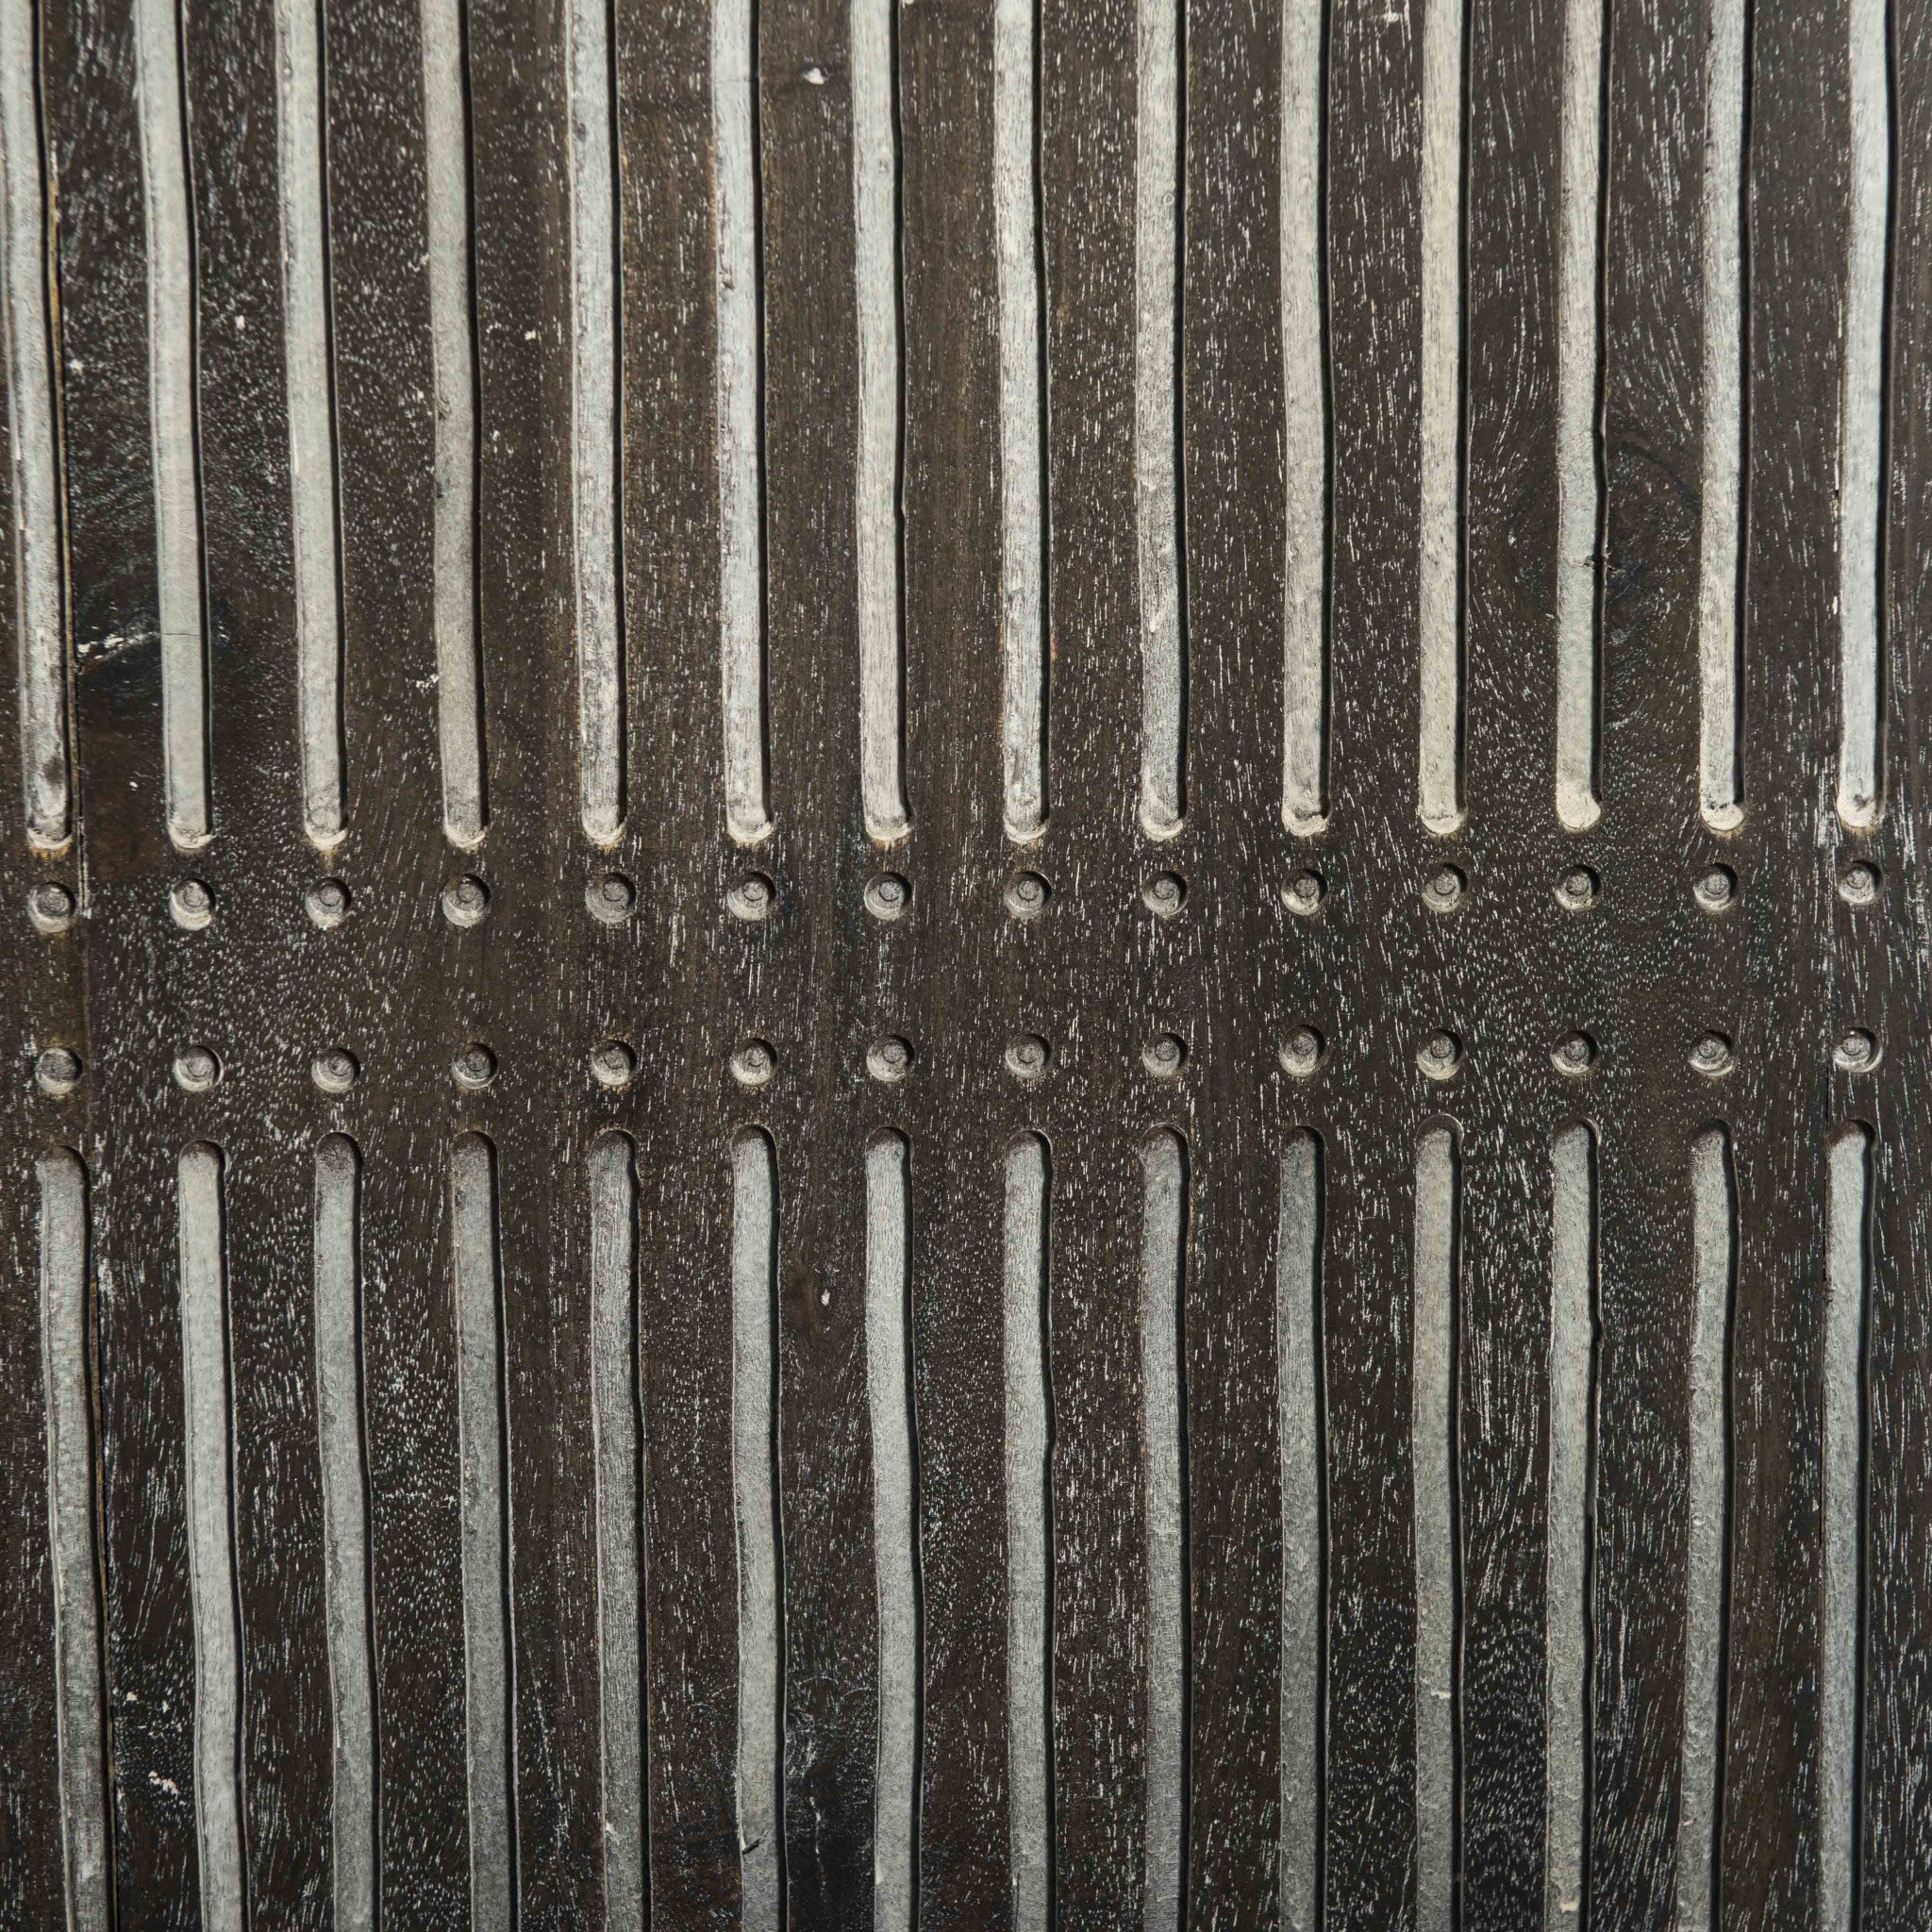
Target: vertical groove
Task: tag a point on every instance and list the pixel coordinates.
(1163, 1287)
(741, 492)
(1860, 780)
(1579, 488)
(874, 190)
(1297, 1288)
(42, 666)
(1572, 1351)
(754, 1439)
(1847, 1270)
(1305, 417)
(1029, 1531)
(889, 1383)
(1156, 221)
(594, 424)
(311, 428)
(459, 669)
(1713, 1264)
(1433, 1450)
(1023, 641)
(345, 1529)
(171, 379)
(1440, 777)
(1717, 599)
(614, 1356)
(486, 1621)
(79, 1710)
(210, 1539)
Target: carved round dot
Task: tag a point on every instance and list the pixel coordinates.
(1165, 1055)
(1577, 888)
(1712, 1056)
(191, 905)
(612, 898)
(1164, 895)
(889, 1059)
(57, 1073)
(50, 908)
(1857, 1051)
(1301, 1053)
(473, 1068)
(327, 903)
(1716, 888)
(752, 898)
(1302, 894)
(1026, 894)
(1028, 1057)
(466, 900)
(197, 1069)
(753, 1063)
(1858, 885)
(1575, 1054)
(334, 1070)
(1444, 888)
(613, 1065)
(1440, 1055)
(887, 897)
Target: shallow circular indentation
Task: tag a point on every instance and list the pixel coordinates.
(752, 898)
(327, 903)
(334, 1070)
(1715, 889)
(50, 908)
(1026, 894)
(887, 897)
(473, 1068)
(57, 1072)
(753, 1063)
(611, 898)
(1440, 1055)
(612, 1065)
(1165, 1055)
(889, 1060)
(1857, 1051)
(1575, 1054)
(1301, 1053)
(1027, 1057)
(1577, 891)
(197, 1069)
(1712, 1056)
(191, 905)
(1858, 885)
(1302, 894)
(1164, 895)
(466, 900)
(1444, 888)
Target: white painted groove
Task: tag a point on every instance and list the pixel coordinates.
(1716, 597)
(1157, 247)
(1713, 1234)
(1163, 1231)
(1023, 634)
(1578, 494)
(1305, 426)
(614, 1354)
(889, 1385)
(78, 1697)
(1296, 1341)
(1847, 1213)
(594, 421)
(1432, 1449)
(459, 669)
(875, 197)
(1573, 1267)
(740, 501)
(479, 1426)
(754, 1447)
(210, 1539)
(311, 429)
(1029, 1476)
(345, 1531)
(30, 397)
(1438, 794)
(1860, 429)
(171, 418)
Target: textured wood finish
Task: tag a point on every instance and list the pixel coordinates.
(1503, 1733)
